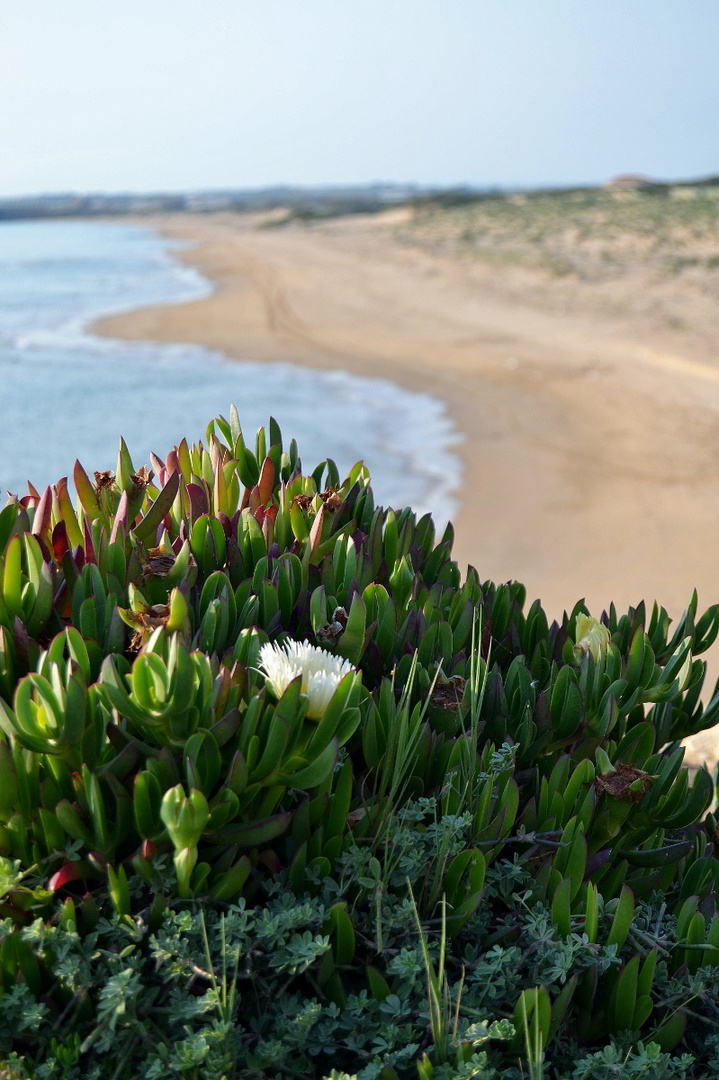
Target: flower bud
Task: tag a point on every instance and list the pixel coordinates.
(591, 636)
(183, 817)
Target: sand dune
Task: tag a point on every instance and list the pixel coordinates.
(591, 448)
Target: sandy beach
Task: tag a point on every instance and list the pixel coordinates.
(589, 411)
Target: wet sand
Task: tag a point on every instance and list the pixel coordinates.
(590, 445)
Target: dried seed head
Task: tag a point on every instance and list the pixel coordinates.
(331, 500)
(626, 781)
(147, 621)
(448, 694)
(142, 478)
(156, 562)
(333, 631)
(104, 480)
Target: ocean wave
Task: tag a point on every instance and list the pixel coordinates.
(58, 379)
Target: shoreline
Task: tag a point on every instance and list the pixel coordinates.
(590, 463)
(556, 411)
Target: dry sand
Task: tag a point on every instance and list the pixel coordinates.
(591, 425)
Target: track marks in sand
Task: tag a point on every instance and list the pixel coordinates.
(679, 364)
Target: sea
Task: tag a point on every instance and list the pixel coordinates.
(66, 393)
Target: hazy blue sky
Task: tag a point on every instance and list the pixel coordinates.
(177, 94)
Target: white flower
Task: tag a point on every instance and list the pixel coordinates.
(592, 636)
(321, 672)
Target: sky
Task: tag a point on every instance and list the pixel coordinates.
(150, 95)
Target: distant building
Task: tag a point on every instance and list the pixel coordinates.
(629, 182)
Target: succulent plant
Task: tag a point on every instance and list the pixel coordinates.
(238, 670)
(187, 653)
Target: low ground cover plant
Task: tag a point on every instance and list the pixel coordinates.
(594, 234)
(283, 796)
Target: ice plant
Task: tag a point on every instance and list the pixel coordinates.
(185, 818)
(591, 636)
(321, 672)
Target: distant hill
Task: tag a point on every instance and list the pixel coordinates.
(303, 203)
(321, 201)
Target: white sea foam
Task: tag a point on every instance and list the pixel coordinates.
(65, 393)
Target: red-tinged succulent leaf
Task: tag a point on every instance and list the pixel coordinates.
(255, 499)
(120, 516)
(86, 492)
(63, 601)
(60, 543)
(45, 550)
(67, 510)
(226, 525)
(220, 490)
(183, 457)
(72, 564)
(69, 871)
(213, 449)
(22, 644)
(266, 482)
(198, 500)
(316, 530)
(172, 465)
(34, 493)
(268, 532)
(157, 463)
(259, 514)
(271, 513)
(89, 549)
(147, 528)
(43, 513)
(271, 860)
